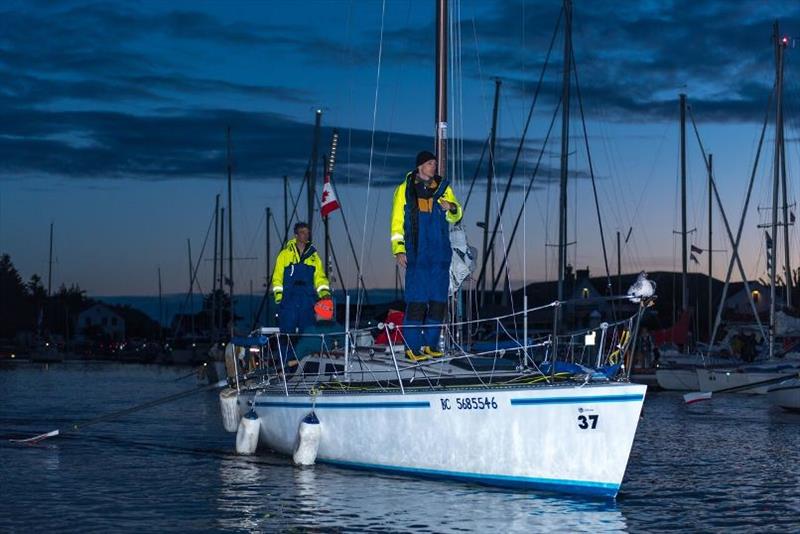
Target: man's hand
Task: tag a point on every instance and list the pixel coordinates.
(278, 297)
(446, 206)
(401, 259)
(324, 294)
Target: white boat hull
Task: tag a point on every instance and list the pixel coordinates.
(559, 438)
(715, 380)
(786, 394)
(677, 379)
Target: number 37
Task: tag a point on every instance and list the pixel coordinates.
(587, 421)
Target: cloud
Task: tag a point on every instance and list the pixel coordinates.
(633, 62)
(190, 144)
(89, 93)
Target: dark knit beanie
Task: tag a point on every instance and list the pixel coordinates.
(424, 157)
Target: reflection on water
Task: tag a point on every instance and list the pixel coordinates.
(267, 493)
(729, 464)
(239, 496)
(307, 498)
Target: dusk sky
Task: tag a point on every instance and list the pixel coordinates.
(113, 120)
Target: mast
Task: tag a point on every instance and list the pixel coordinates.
(221, 307)
(710, 251)
(328, 163)
(285, 207)
(214, 275)
(326, 226)
(230, 231)
(562, 204)
(684, 292)
(50, 264)
(269, 267)
(780, 155)
(619, 263)
(160, 310)
(780, 44)
(191, 285)
(489, 183)
(441, 87)
(312, 177)
(440, 124)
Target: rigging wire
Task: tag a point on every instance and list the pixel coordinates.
(359, 281)
(368, 264)
(475, 176)
(482, 83)
(524, 168)
(528, 190)
(735, 252)
(591, 172)
(498, 219)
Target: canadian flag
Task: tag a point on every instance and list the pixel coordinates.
(329, 201)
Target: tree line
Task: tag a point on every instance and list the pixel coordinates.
(26, 307)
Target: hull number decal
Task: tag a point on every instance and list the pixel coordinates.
(469, 403)
(587, 421)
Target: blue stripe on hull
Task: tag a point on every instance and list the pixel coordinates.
(577, 400)
(574, 487)
(345, 406)
(426, 404)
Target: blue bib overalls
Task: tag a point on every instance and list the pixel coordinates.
(427, 273)
(296, 310)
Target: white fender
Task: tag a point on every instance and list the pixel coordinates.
(247, 435)
(229, 404)
(308, 437)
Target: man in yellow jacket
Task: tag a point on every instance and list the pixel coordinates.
(424, 206)
(298, 281)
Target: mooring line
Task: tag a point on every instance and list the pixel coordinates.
(113, 415)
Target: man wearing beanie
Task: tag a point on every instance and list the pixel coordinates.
(424, 204)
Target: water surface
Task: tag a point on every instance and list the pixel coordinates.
(729, 465)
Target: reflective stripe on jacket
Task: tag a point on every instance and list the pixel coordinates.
(401, 233)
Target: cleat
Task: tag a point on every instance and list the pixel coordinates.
(433, 353)
(416, 357)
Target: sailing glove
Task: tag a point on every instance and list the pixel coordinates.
(324, 294)
(278, 297)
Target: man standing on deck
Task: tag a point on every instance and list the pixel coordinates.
(298, 282)
(423, 206)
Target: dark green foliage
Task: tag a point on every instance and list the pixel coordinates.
(16, 306)
(26, 306)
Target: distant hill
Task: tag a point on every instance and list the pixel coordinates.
(246, 305)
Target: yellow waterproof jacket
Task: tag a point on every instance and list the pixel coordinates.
(310, 261)
(401, 210)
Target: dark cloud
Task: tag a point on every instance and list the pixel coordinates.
(634, 60)
(179, 83)
(266, 146)
(191, 144)
(23, 91)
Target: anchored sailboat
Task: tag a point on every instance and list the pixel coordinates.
(758, 378)
(528, 421)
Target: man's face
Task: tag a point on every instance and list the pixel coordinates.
(427, 169)
(303, 235)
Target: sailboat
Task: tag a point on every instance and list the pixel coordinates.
(680, 369)
(786, 394)
(767, 372)
(539, 425)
